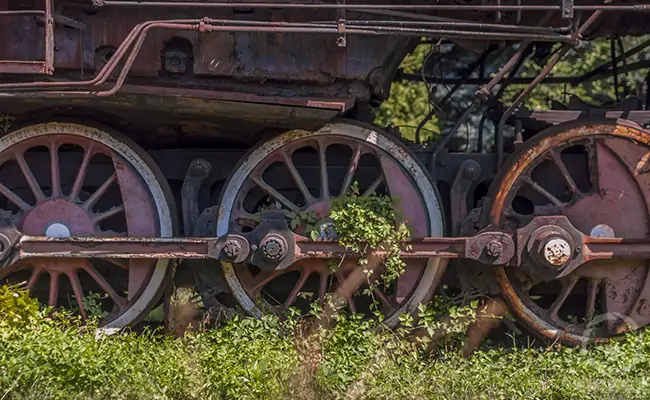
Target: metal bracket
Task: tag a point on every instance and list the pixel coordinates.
(341, 36)
(468, 172)
(567, 9)
(198, 170)
(66, 21)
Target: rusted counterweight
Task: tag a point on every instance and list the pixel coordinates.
(552, 243)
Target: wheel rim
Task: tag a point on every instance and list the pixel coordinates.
(590, 174)
(61, 179)
(253, 175)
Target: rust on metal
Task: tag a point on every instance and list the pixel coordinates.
(616, 198)
(45, 67)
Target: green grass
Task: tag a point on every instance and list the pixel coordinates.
(41, 358)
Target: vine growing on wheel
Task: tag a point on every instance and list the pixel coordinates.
(362, 224)
(365, 224)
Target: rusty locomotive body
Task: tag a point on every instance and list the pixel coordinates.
(141, 135)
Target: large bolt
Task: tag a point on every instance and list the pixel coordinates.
(556, 252)
(273, 248)
(494, 249)
(232, 248)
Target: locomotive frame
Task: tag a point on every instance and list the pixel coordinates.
(235, 75)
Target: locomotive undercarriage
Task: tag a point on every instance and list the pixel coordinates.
(554, 219)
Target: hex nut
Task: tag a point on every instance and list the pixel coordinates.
(273, 248)
(232, 248)
(494, 249)
(556, 252)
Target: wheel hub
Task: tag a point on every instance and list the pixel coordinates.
(58, 218)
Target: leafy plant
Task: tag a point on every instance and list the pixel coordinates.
(93, 305)
(367, 223)
(17, 309)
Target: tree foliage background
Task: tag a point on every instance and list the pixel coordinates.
(409, 102)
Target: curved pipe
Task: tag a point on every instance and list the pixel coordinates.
(106, 71)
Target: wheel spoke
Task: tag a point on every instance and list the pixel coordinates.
(88, 205)
(29, 176)
(592, 292)
(54, 289)
(557, 160)
(54, 169)
(322, 289)
(373, 187)
(262, 279)
(99, 217)
(81, 175)
(348, 296)
(304, 275)
(594, 170)
(103, 283)
(509, 211)
(245, 219)
(567, 287)
(309, 199)
(352, 169)
(78, 292)
(275, 194)
(118, 263)
(554, 200)
(14, 198)
(388, 304)
(36, 273)
(324, 178)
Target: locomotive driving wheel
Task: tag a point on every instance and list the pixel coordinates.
(65, 179)
(303, 171)
(598, 176)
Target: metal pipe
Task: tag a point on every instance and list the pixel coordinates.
(431, 7)
(454, 24)
(612, 50)
(542, 75)
(405, 14)
(103, 74)
(19, 13)
(49, 38)
(482, 81)
(522, 96)
(463, 118)
(450, 93)
(138, 34)
(487, 89)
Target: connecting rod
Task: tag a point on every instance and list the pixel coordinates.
(546, 246)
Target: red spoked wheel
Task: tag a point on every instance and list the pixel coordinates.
(63, 179)
(303, 171)
(595, 174)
